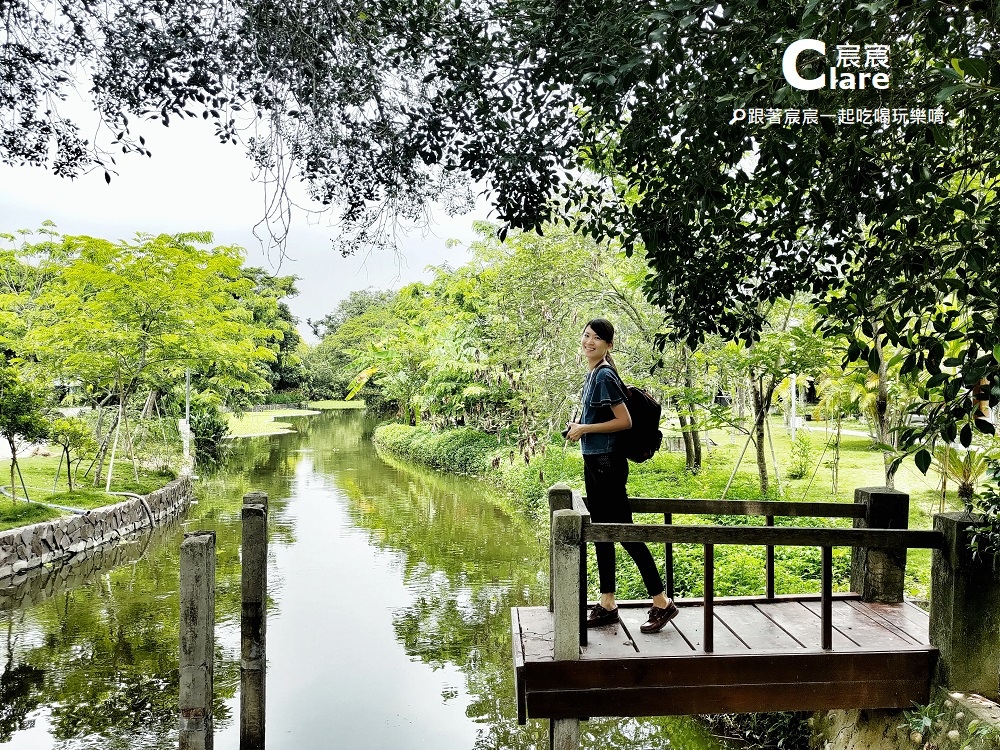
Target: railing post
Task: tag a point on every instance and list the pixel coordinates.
(567, 525)
(708, 637)
(826, 598)
(965, 611)
(877, 574)
(560, 498)
(668, 559)
(769, 565)
(197, 640)
(253, 621)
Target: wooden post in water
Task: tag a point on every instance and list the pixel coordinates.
(197, 639)
(567, 525)
(877, 574)
(560, 498)
(965, 611)
(253, 621)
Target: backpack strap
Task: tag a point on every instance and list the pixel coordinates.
(618, 377)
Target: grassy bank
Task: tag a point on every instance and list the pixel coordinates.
(739, 570)
(39, 473)
(256, 423)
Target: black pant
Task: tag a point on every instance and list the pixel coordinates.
(605, 475)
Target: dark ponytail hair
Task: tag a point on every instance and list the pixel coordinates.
(603, 328)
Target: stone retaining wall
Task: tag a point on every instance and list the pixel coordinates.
(36, 585)
(957, 721)
(29, 547)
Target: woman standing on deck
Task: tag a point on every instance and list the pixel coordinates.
(605, 473)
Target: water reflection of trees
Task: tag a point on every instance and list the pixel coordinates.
(467, 563)
(106, 646)
(103, 655)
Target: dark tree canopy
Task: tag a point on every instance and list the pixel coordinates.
(617, 118)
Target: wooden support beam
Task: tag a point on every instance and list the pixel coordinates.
(790, 536)
(560, 498)
(197, 640)
(877, 574)
(253, 621)
(709, 625)
(668, 561)
(769, 566)
(747, 507)
(826, 602)
(564, 733)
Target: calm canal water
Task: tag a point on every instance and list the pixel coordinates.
(388, 622)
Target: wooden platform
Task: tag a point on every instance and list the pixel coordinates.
(767, 657)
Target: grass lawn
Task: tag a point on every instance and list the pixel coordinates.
(331, 405)
(39, 474)
(254, 423)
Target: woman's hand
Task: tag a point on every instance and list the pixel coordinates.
(575, 431)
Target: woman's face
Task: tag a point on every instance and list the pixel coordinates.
(593, 346)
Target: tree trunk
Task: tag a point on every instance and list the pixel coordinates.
(69, 469)
(150, 405)
(694, 464)
(758, 434)
(881, 414)
(689, 452)
(103, 451)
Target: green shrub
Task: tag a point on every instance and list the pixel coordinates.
(462, 450)
(801, 453)
(294, 396)
(770, 730)
(209, 426)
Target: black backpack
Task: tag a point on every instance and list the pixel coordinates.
(640, 441)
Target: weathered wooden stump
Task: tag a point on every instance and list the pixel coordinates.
(567, 525)
(253, 621)
(877, 574)
(197, 639)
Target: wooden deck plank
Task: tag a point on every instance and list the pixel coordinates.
(668, 642)
(518, 651)
(862, 629)
(537, 634)
(803, 624)
(666, 676)
(609, 641)
(681, 635)
(757, 630)
(914, 614)
(894, 616)
(911, 609)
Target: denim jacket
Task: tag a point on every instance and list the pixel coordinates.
(602, 389)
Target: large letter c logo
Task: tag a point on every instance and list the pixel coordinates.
(790, 59)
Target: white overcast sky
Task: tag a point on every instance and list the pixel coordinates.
(194, 183)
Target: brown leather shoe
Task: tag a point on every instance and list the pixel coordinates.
(600, 616)
(658, 618)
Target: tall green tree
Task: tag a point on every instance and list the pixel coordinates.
(123, 317)
(621, 121)
(22, 415)
(270, 311)
(788, 346)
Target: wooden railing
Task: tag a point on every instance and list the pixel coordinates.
(769, 509)
(572, 529)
